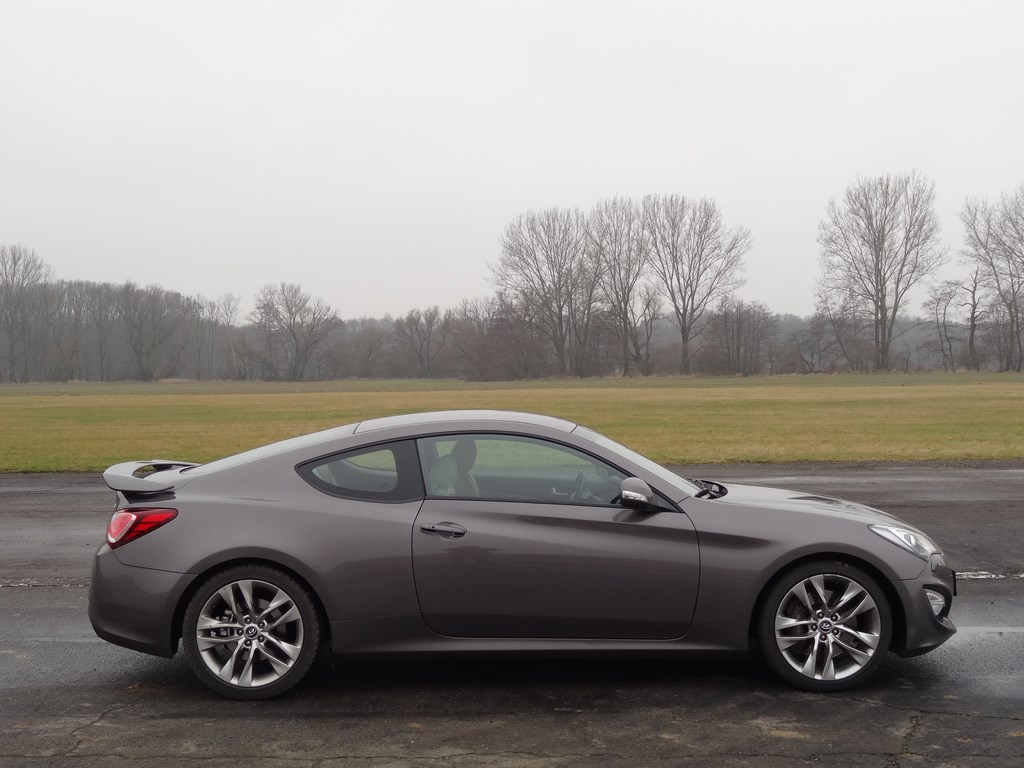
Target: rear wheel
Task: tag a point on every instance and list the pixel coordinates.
(825, 626)
(251, 632)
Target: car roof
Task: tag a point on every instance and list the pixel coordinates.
(483, 418)
(447, 417)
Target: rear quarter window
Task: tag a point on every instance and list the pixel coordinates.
(387, 472)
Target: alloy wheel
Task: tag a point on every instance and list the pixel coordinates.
(249, 633)
(828, 627)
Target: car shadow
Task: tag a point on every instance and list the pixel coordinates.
(453, 685)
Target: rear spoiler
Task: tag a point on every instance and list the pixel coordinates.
(144, 476)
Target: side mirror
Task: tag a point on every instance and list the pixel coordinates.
(634, 493)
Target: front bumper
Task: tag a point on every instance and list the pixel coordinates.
(924, 630)
(135, 607)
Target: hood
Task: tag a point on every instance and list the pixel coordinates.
(796, 501)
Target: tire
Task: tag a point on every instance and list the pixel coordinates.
(251, 632)
(824, 626)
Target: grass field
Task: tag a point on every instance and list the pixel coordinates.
(674, 420)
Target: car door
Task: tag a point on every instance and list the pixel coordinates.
(518, 537)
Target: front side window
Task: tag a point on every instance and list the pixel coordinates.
(514, 468)
(385, 472)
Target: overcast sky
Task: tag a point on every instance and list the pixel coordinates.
(373, 152)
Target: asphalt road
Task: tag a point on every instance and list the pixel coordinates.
(67, 698)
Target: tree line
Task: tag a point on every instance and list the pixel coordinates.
(631, 287)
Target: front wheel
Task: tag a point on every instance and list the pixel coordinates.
(251, 632)
(824, 626)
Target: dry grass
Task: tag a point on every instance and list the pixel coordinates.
(674, 420)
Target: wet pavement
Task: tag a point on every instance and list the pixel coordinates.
(68, 698)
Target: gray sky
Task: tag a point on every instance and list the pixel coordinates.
(373, 152)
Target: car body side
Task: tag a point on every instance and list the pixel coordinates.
(355, 556)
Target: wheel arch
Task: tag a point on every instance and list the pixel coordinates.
(899, 616)
(201, 578)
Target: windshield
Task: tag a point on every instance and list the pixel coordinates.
(640, 460)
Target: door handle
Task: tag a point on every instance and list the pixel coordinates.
(445, 530)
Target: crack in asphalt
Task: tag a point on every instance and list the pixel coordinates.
(74, 733)
(905, 751)
(933, 712)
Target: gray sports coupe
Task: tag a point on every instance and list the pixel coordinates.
(497, 531)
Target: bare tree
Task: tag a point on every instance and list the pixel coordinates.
(265, 352)
(940, 305)
(364, 344)
(994, 241)
(696, 258)
(101, 310)
(424, 334)
(152, 319)
(204, 327)
(1000, 335)
(956, 312)
(21, 272)
(645, 322)
(292, 323)
(543, 257)
(741, 332)
(812, 349)
(877, 243)
(43, 329)
(587, 318)
(971, 305)
(228, 308)
(472, 326)
(851, 325)
(616, 237)
(69, 328)
(517, 332)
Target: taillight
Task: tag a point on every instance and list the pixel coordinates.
(128, 524)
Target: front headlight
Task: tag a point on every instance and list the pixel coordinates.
(912, 541)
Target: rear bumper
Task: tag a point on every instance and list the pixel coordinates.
(925, 631)
(135, 607)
